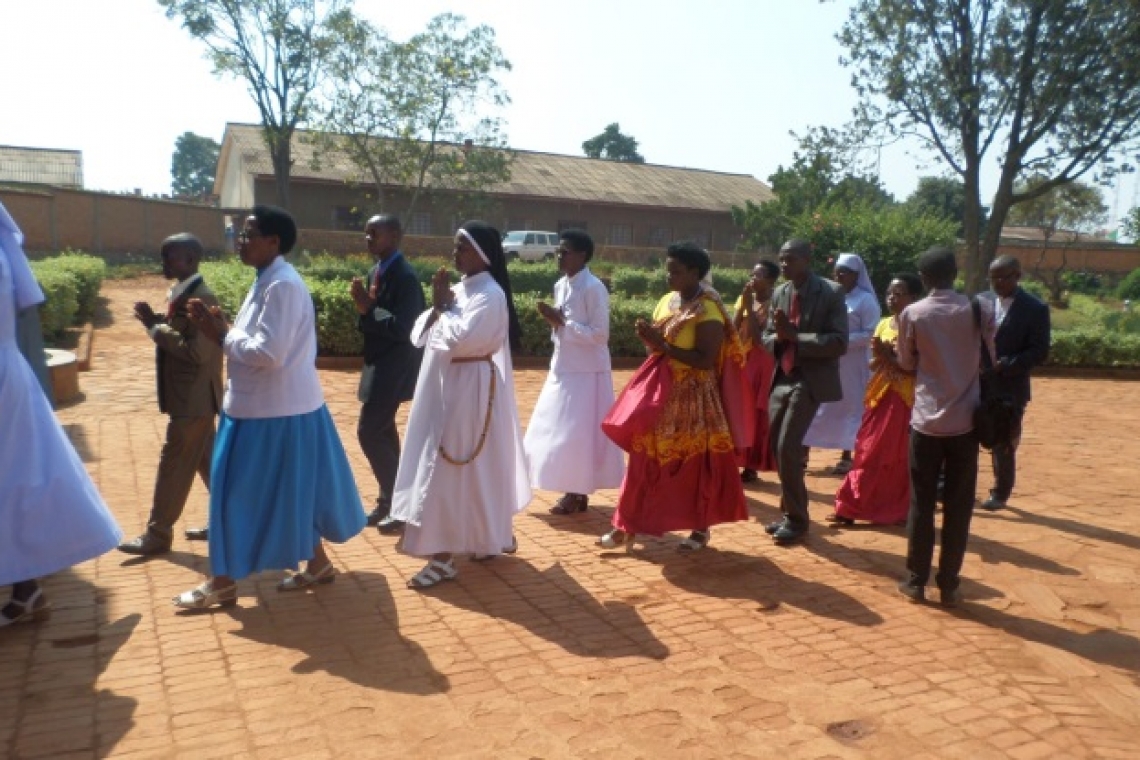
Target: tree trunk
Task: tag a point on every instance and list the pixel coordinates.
(280, 146)
(972, 226)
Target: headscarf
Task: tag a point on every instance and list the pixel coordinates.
(488, 243)
(28, 292)
(853, 262)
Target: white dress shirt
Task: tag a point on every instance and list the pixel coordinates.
(271, 349)
(582, 343)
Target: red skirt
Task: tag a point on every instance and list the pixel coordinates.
(877, 489)
(760, 455)
(682, 473)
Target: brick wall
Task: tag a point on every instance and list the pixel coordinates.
(1102, 258)
(119, 227)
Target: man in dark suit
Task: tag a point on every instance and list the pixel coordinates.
(807, 333)
(189, 371)
(389, 304)
(1021, 343)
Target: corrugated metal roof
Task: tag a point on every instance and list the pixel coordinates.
(41, 166)
(540, 175)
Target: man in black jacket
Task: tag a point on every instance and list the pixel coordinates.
(388, 303)
(807, 333)
(1021, 343)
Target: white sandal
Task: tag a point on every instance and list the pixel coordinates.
(512, 549)
(206, 596)
(434, 572)
(304, 579)
(32, 608)
(615, 538)
(696, 541)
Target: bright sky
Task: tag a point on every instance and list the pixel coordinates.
(712, 85)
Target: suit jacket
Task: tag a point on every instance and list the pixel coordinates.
(387, 328)
(822, 334)
(1021, 343)
(189, 367)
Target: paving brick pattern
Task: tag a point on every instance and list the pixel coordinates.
(744, 650)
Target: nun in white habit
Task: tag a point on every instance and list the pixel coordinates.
(836, 423)
(462, 475)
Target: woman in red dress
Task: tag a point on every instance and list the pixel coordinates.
(682, 465)
(751, 315)
(877, 489)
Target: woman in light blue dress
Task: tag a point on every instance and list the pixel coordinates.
(51, 515)
(280, 480)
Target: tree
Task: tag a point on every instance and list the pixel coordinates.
(1131, 225)
(944, 197)
(1052, 87)
(278, 47)
(399, 111)
(1072, 207)
(193, 165)
(612, 145)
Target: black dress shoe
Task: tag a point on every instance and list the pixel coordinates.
(198, 534)
(145, 545)
(772, 527)
(916, 594)
(375, 516)
(950, 597)
(390, 526)
(787, 535)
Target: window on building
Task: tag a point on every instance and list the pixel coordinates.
(420, 223)
(518, 224)
(347, 218)
(700, 237)
(660, 235)
(620, 234)
(571, 224)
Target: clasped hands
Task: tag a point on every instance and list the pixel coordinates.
(651, 336)
(208, 319)
(552, 315)
(442, 298)
(145, 314)
(785, 330)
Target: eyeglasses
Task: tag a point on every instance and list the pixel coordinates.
(249, 235)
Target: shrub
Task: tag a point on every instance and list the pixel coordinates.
(1036, 288)
(230, 280)
(1129, 288)
(533, 278)
(336, 319)
(623, 313)
(325, 268)
(61, 305)
(1085, 283)
(89, 273)
(730, 283)
(627, 281)
(1082, 348)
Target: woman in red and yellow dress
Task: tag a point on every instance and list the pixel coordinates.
(751, 315)
(682, 466)
(877, 489)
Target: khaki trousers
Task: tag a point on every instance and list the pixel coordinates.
(188, 449)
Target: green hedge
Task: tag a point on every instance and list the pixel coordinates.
(71, 283)
(1081, 348)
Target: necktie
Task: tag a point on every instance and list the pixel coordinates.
(788, 356)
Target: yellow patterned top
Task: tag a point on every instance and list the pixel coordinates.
(888, 377)
(678, 321)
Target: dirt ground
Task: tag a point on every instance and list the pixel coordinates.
(743, 650)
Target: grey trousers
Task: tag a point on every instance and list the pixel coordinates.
(791, 409)
(187, 451)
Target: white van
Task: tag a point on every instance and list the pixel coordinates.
(530, 245)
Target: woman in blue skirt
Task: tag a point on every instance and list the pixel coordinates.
(280, 480)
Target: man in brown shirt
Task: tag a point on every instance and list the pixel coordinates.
(939, 340)
(189, 369)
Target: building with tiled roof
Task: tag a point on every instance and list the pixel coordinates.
(41, 166)
(620, 204)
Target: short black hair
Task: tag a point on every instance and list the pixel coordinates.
(389, 222)
(797, 247)
(691, 255)
(939, 265)
(272, 220)
(912, 281)
(580, 241)
(771, 269)
(186, 242)
(1005, 261)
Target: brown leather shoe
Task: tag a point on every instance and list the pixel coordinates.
(146, 545)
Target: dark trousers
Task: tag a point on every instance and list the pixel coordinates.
(187, 451)
(791, 409)
(1004, 458)
(376, 431)
(957, 458)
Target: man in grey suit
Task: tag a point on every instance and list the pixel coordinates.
(189, 370)
(807, 333)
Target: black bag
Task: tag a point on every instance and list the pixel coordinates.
(994, 417)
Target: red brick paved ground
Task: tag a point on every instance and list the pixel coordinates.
(745, 650)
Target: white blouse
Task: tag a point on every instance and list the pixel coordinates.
(271, 350)
(582, 343)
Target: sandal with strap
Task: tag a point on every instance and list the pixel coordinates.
(32, 608)
(615, 538)
(206, 596)
(434, 572)
(696, 541)
(569, 504)
(842, 467)
(837, 519)
(304, 579)
(514, 547)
